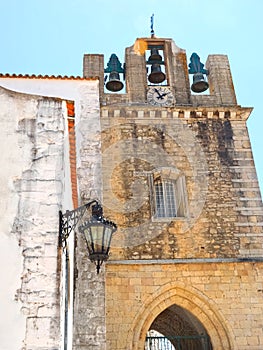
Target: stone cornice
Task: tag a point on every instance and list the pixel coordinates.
(181, 112)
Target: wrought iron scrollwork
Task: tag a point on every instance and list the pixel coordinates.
(70, 219)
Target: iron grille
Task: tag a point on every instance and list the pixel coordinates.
(194, 342)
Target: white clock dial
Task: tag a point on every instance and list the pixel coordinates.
(160, 96)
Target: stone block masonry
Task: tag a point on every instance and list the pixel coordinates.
(208, 263)
(225, 297)
(211, 148)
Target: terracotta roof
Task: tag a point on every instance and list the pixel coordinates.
(34, 76)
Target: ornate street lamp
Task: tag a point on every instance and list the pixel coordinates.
(97, 231)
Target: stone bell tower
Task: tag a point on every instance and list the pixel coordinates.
(180, 182)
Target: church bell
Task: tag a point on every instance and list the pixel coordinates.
(114, 84)
(196, 67)
(156, 76)
(114, 69)
(155, 56)
(199, 83)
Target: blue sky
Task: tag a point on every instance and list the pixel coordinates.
(51, 36)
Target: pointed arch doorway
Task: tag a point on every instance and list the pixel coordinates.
(193, 312)
(176, 328)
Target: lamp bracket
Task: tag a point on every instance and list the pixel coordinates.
(69, 220)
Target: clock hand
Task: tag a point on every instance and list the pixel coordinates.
(159, 94)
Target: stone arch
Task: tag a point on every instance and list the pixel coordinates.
(192, 300)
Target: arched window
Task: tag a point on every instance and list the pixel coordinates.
(168, 195)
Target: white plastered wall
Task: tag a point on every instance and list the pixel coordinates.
(15, 158)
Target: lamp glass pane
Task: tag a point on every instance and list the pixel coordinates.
(107, 237)
(88, 238)
(97, 236)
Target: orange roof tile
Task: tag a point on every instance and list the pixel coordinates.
(34, 76)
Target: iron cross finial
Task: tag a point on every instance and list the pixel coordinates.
(152, 31)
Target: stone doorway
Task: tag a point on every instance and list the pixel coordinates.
(177, 329)
(174, 310)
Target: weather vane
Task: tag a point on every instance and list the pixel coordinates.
(152, 31)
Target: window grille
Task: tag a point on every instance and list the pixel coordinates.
(169, 197)
(165, 199)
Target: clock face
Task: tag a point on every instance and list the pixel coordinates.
(160, 96)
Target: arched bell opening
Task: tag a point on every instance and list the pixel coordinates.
(177, 328)
(155, 65)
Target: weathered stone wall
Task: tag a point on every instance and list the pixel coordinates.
(210, 262)
(211, 148)
(89, 292)
(225, 297)
(220, 80)
(32, 132)
(34, 186)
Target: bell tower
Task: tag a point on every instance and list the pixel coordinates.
(179, 180)
(159, 64)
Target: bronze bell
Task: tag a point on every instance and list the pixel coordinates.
(156, 76)
(199, 83)
(114, 84)
(155, 56)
